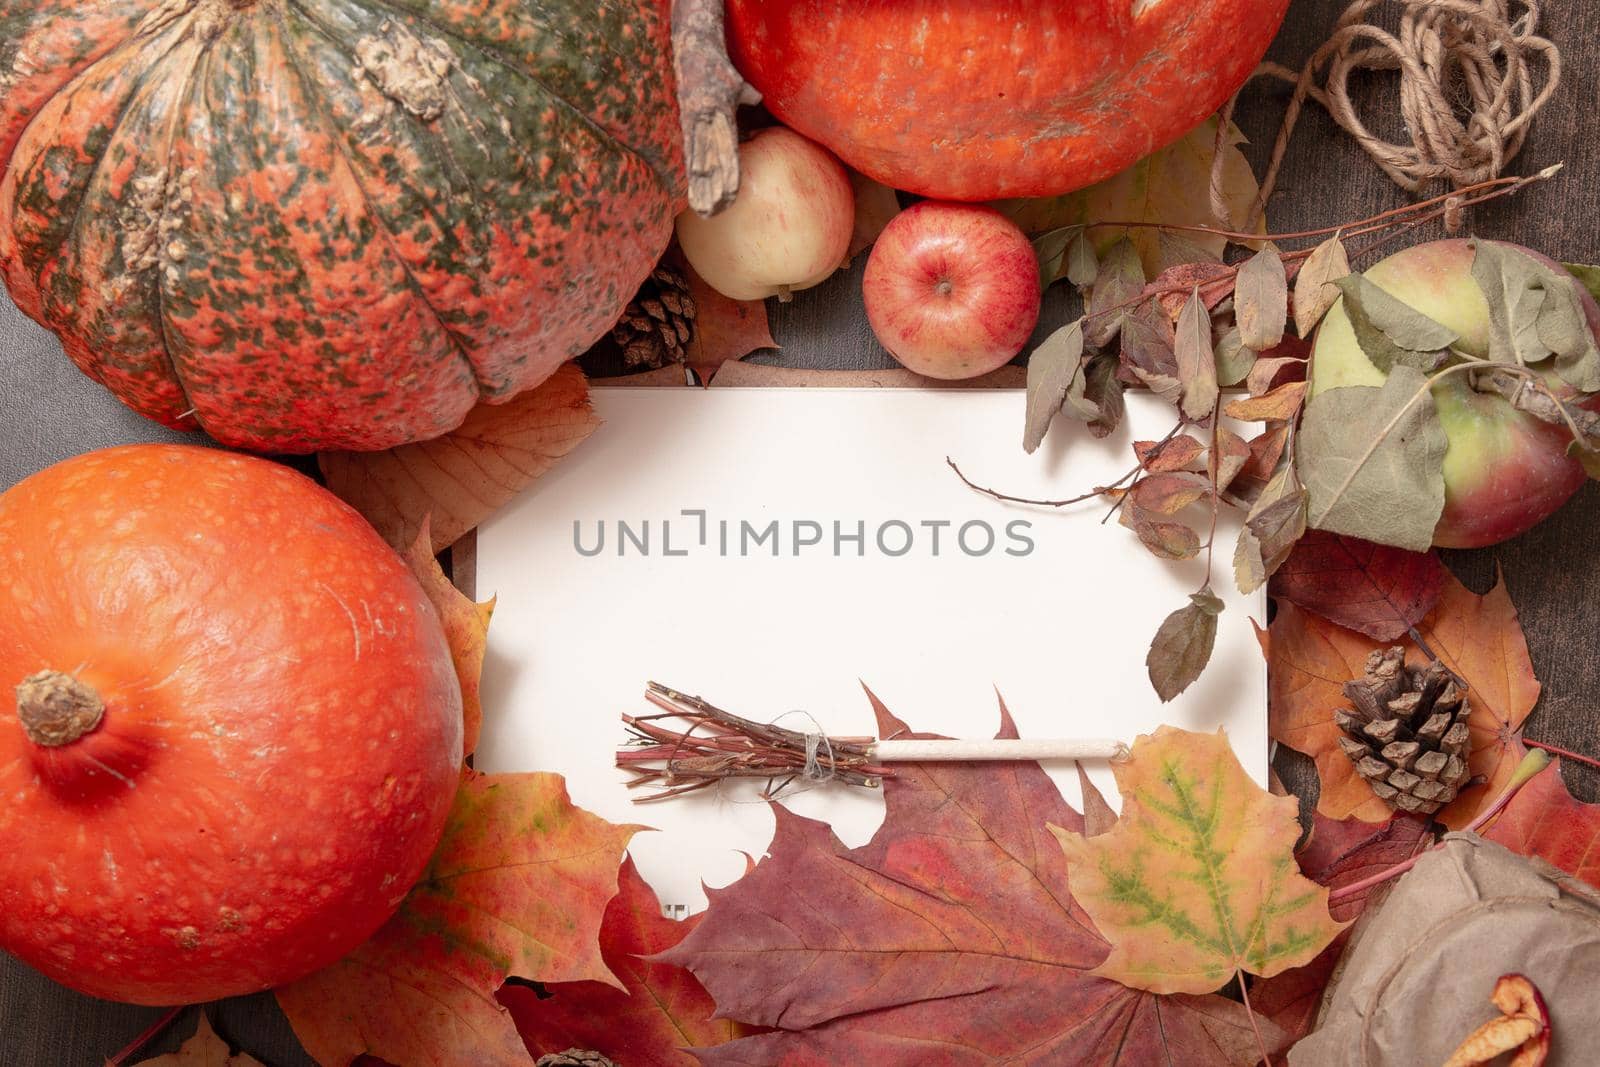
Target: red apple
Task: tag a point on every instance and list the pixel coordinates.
(1504, 470)
(789, 227)
(952, 290)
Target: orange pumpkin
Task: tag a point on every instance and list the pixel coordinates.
(978, 99)
(230, 729)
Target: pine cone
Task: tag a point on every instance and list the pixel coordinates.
(1406, 732)
(659, 321)
(574, 1057)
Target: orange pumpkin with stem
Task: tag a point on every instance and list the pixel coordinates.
(230, 728)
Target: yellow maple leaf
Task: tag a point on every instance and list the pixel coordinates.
(1197, 880)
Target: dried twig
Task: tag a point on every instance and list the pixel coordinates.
(710, 91)
(711, 745)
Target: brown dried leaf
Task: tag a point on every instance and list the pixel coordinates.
(1280, 405)
(1055, 370)
(1263, 376)
(1197, 366)
(1314, 288)
(1102, 396)
(465, 476)
(724, 329)
(1228, 458)
(876, 204)
(1182, 645)
(1234, 360)
(1165, 539)
(1215, 281)
(1169, 493)
(1261, 300)
(1119, 281)
(1266, 449)
(1175, 454)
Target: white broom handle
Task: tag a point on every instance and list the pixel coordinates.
(915, 750)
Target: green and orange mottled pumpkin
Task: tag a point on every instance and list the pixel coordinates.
(314, 224)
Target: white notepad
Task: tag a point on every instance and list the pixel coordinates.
(772, 549)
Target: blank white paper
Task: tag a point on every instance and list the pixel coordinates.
(945, 599)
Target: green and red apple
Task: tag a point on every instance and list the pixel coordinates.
(788, 229)
(1504, 470)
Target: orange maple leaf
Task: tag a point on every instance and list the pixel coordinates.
(1477, 637)
(465, 476)
(518, 886)
(466, 628)
(1197, 879)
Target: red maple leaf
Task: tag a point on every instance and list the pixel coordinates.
(1544, 820)
(950, 938)
(662, 1011)
(1373, 589)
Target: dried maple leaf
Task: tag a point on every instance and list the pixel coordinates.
(518, 886)
(1197, 881)
(1171, 186)
(204, 1049)
(466, 627)
(1477, 637)
(950, 938)
(465, 476)
(1338, 853)
(663, 1010)
(724, 329)
(1546, 821)
(1341, 852)
(1375, 589)
(876, 204)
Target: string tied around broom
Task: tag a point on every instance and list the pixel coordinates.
(816, 770)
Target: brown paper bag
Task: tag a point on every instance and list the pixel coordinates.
(1416, 980)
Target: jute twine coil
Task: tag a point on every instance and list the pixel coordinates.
(1473, 74)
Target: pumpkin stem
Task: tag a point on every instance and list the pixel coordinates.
(56, 709)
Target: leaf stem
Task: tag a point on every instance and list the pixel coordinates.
(1214, 467)
(1250, 1013)
(1526, 772)
(149, 1035)
(1564, 753)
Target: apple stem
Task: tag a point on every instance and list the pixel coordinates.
(785, 294)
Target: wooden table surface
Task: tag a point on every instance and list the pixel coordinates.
(1554, 572)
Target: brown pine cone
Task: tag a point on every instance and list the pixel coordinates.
(574, 1057)
(658, 323)
(1406, 731)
